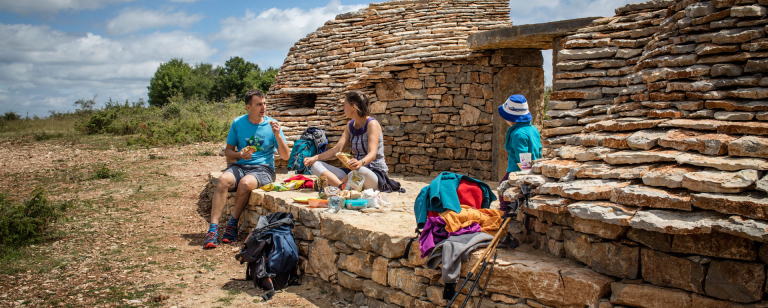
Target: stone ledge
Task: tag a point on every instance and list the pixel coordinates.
(538, 36)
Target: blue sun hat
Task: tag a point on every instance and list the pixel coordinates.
(515, 109)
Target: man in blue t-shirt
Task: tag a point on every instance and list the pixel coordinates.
(252, 140)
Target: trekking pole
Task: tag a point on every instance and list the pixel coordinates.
(485, 263)
(485, 286)
(480, 261)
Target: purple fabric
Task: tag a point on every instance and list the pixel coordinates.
(434, 232)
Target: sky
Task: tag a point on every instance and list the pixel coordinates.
(54, 52)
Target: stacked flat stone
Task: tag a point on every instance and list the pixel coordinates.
(360, 257)
(411, 58)
(657, 147)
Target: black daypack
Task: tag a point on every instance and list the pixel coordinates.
(271, 254)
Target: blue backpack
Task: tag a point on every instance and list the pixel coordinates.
(302, 148)
(284, 255)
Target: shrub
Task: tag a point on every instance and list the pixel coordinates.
(103, 172)
(98, 122)
(28, 222)
(11, 116)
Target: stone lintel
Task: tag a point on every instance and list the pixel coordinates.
(538, 36)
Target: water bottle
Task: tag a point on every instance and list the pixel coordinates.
(335, 203)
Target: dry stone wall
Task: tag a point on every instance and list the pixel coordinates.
(360, 257)
(656, 154)
(411, 58)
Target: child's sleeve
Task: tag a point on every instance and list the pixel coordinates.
(519, 145)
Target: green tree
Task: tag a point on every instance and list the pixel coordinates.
(201, 81)
(232, 78)
(261, 80)
(168, 81)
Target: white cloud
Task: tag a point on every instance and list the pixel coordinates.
(52, 6)
(43, 69)
(276, 28)
(524, 12)
(136, 19)
(531, 12)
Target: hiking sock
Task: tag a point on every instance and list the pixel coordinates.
(213, 228)
(232, 222)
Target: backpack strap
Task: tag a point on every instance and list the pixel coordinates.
(410, 242)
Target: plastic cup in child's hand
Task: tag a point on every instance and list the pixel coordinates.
(525, 161)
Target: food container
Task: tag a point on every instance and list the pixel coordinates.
(318, 203)
(356, 204)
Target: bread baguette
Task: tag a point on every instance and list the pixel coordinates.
(344, 159)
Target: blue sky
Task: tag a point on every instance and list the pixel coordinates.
(54, 52)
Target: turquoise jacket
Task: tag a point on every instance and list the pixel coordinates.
(522, 138)
(440, 195)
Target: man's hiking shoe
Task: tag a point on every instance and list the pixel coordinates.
(230, 235)
(211, 240)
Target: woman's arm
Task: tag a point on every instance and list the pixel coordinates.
(330, 153)
(373, 131)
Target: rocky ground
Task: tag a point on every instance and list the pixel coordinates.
(135, 237)
(131, 240)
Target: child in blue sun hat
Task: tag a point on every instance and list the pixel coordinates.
(522, 137)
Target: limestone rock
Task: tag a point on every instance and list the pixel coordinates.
(556, 168)
(582, 189)
(640, 157)
(549, 204)
(405, 279)
(380, 270)
(594, 153)
(687, 140)
(524, 271)
(603, 211)
(715, 244)
(570, 152)
(627, 172)
(645, 295)
(623, 124)
(616, 260)
(720, 181)
(756, 230)
(654, 240)
(752, 205)
(665, 270)
(735, 281)
(322, 258)
(751, 146)
(601, 229)
(674, 222)
(670, 176)
(644, 196)
(693, 124)
(723, 163)
(744, 128)
(390, 91)
(645, 139)
(359, 263)
(558, 131)
(734, 115)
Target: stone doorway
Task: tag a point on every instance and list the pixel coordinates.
(526, 77)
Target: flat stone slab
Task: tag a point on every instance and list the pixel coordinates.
(645, 139)
(689, 140)
(624, 124)
(550, 204)
(531, 273)
(538, 36)
(603, 211)
(641, 157)
(582, 189)
(554, 168)
(720, 181)
(693, 124)
(645, 196)
(722, 162)
(752, 146)
(752, 205)
(670, 176)
(702, 222)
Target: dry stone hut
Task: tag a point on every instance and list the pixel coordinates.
(657, 140)
(433, 96)
(654, 190)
